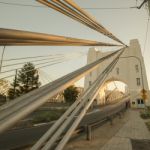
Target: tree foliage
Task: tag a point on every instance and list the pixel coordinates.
(2, 99)
(27, 79)
(4, 87)
(71, 94)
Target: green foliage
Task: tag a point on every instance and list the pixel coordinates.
(71, 94)
(4, 86)
(145, 114)
(27, 79)
(2, 99)
(148, 125)
(48, 116)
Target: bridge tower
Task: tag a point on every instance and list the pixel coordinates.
(130, 70)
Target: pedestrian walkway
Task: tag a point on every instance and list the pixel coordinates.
(134, 128)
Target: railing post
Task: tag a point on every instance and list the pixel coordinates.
(120, 115)
(15, 83)
(89, 132)
(110, 119)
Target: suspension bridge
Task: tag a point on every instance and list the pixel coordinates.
(125, 64)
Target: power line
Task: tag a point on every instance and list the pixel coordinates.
(43, 66)
(22, 5)
(108, 8)
(12, 59)
(38, 6)
(50, 64)
(20, 63)
(35, 65)
(147, 27)
(38, 60)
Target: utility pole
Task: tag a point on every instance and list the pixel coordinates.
(15, 82)
(1, 61)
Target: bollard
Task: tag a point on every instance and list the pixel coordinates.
(89, 132)
(120, 115)
(111, 120)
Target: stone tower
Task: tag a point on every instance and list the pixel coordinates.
(130, 70)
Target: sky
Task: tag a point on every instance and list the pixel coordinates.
(126, 24)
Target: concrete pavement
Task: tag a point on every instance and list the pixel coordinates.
(135, 128)
(118, 136)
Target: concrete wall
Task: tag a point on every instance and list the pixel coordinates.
(129, 70)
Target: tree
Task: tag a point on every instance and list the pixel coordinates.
(71, 94)
(26, 80)
(4, 87)
(2, 99)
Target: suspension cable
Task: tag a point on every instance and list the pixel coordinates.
(34, 57)
(68, 8)
(20, 63)
(38, 6)
(43, 66)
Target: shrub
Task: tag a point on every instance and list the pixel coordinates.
(145, 114)
(148, 125)
(47, 116)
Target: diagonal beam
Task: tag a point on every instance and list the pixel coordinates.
(9, 37)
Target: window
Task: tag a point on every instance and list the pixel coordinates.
(142, 102)
(138, 82)
(90, 83)
(117, 70)
(139, 101)
(136, 68)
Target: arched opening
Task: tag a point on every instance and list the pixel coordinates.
(112, 91)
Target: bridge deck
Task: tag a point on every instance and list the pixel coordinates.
(116, 137)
